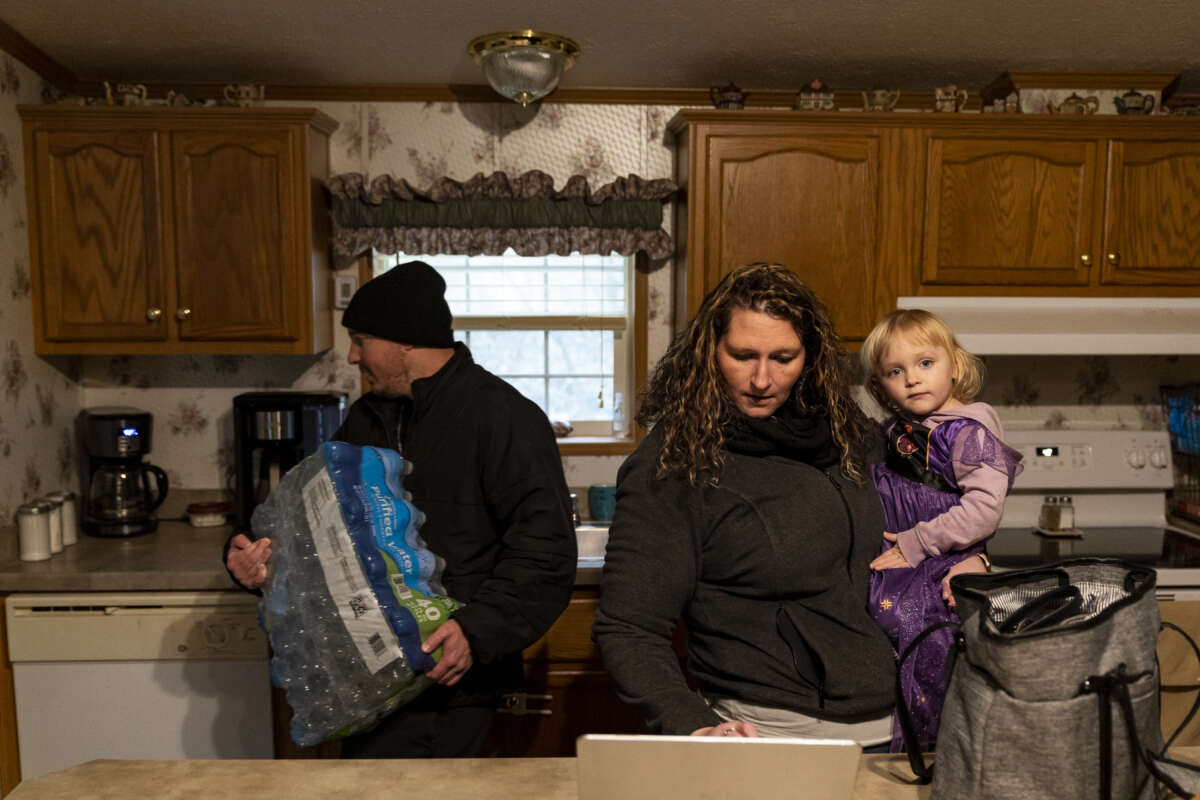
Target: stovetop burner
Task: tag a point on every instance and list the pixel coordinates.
(1160, 548)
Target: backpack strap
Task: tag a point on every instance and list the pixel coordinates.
(1119, 690)
(911, 746)
(1196, 704)
(1045, 610)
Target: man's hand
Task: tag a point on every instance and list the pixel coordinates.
(247, 560)
(892, 559)
(456, 653)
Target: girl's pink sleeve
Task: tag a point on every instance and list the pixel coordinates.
(972, 520)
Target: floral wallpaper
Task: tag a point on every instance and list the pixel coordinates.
(191, 396)
(38, 399)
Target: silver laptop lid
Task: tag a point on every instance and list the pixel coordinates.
(715, 768)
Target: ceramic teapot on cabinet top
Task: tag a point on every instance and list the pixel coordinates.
(728, 96)
(1074, 104)
(1133, 102)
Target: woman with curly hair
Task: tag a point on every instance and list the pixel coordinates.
(745, 515)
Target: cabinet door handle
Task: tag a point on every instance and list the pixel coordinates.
(1114, 259)
(1086, 260)
(153, 314)
(183, 314)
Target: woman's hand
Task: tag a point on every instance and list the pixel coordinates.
(893, 558)
(972, 564)
(744, 729)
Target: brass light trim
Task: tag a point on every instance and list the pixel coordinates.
(481, 45)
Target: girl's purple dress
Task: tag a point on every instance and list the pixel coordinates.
(905, 602)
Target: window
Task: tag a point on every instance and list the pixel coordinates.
(558, 328)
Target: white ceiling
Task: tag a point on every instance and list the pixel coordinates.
(909, 44)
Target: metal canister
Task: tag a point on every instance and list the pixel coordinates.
(33, 531)
(56, 527)
(70, 520)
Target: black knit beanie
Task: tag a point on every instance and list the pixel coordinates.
(406, 304)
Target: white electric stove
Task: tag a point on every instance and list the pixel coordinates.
(1117, 483)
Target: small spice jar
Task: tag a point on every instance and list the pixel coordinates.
(56, 529)
(33, 531)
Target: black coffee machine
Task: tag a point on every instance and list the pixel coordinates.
(122, 491)
(273, 432)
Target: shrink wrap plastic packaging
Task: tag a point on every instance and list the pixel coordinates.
(351, 591)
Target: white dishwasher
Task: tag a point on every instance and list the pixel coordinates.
(138, 675)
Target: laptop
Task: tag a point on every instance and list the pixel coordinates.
(621, 767)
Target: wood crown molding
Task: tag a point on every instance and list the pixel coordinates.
(32, 56)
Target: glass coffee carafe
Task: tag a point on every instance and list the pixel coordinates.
(122, 493)
(122, 489)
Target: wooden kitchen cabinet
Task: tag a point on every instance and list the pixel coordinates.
(1152, 215)
(866, 207)
(831, 202)
(164, 230)
(10, 757)
(1009, 211)
(1096, 206)
(567, 690)
(1180, 670)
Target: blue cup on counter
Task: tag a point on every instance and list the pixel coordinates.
(602, 502)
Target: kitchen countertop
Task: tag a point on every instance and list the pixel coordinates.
(176, 557)
(880, 777)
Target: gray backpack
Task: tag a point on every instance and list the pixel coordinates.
(1054, 688)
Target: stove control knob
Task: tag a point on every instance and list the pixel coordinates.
(1158, 458)
(1136, 459)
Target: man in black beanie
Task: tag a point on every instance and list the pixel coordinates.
(488, 477)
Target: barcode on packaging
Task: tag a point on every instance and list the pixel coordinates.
(357, 607)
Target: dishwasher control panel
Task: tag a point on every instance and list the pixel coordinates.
(104, 626)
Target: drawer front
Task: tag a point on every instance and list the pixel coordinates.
(570, 638)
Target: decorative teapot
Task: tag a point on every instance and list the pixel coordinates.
(1074, 104)
(949, 98)
(880, 99)
(1133, 102)
(728, 96)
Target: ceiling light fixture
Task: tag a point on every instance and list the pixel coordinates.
(524, 66)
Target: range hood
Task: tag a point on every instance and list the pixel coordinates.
(1069, 325)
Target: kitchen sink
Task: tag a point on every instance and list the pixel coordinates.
(591, 538)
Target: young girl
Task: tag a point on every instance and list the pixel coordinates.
(942, 486)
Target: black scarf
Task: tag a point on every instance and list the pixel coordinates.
(800, 436)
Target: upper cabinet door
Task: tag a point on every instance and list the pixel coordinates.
(95, 207)
(1009, 211)
(1152, 218)
(809, 202)
(237, 251)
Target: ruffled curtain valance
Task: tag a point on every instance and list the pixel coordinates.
(488, 214)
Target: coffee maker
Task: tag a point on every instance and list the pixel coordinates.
(273, 432)
(122, 491)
